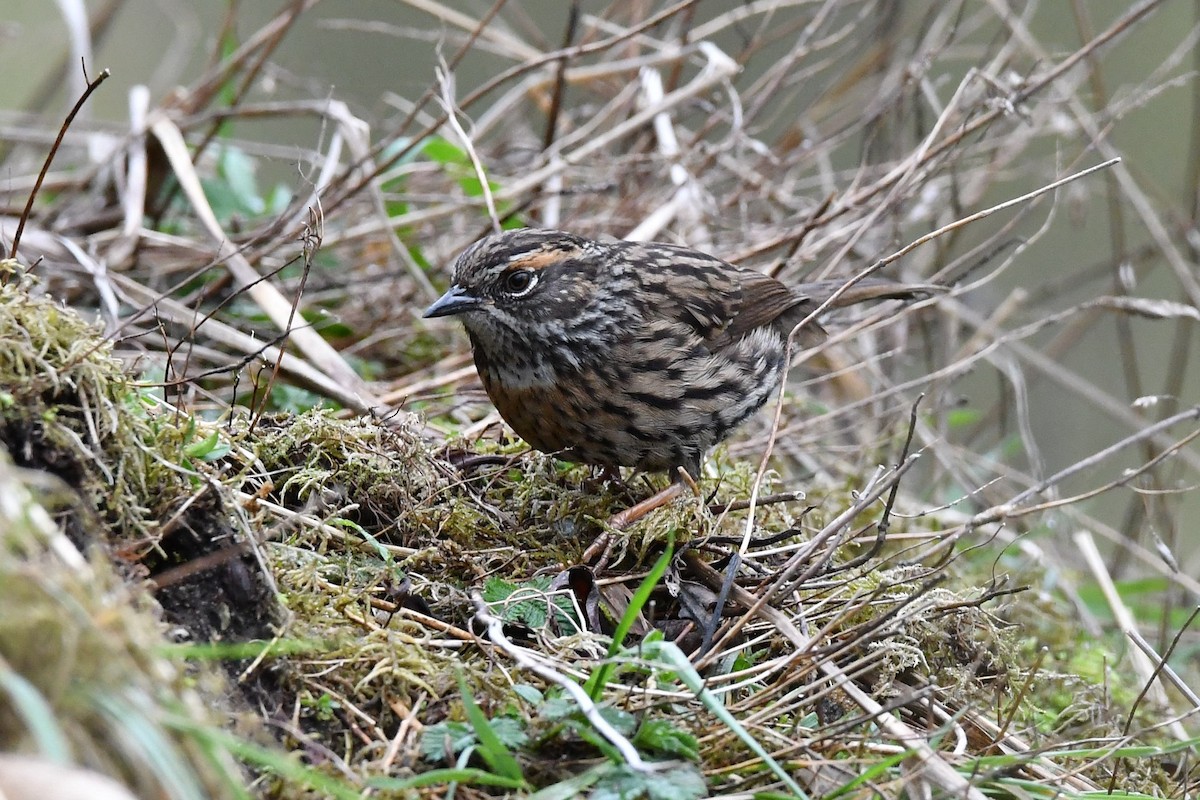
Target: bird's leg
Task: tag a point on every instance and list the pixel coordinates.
(681, 480)
(611, 474)
(623, 519)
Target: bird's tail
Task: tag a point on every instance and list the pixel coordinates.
(866, 290)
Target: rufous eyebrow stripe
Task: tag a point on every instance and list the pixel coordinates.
(539, 259)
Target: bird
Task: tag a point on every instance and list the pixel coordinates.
(629, 354)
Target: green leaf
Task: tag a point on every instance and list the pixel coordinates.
(294, 399)
(962, 417)
(443, 152)
(439, 777)
(491, 748)
(595, 683)
(527, 603)
(530, 694)
(559, 709)
(875, 772)
(510, 731)
(277, 761)
(458, 736)
(238, 169)
(204, 447)
(33, 710)
(664, 737)
(278, 200)
(670, 654)
(576, 786)
(398, 144)
(472, 187)
(327, 324)
(626, 783)
(453, 737)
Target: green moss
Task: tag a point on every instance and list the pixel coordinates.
(75, 414)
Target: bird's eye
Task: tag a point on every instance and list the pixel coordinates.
(520, 282)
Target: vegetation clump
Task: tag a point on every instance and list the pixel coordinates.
(261, 535)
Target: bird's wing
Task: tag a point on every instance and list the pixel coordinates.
(717, 300)
(766, 301)
(722, 303)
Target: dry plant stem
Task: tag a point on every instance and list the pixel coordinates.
(478, 28)
(278, 308)
(537, 62)
(312, 243)
(98, 26)
(1054, 370)
(133, 199)
(410, 725)
(866, 194)
(559, 161)
(356, 134)
(1018, 699)
(792, 567)
(1007, 511)
(897, 180)
(1101, 99)
(62, 131)
(865, 273)
(170, 577)
(1050, 368)
(993, 515)
(399, 394)
(720, 67)
(1141, 203)
(881, 534)
(289, 516)
(262, 43)
(560, 82)
(297, 368)
(1164, 667)
(624, 519)
(1160, 669)
(1142, 663)
(453, 631)
(934, 767)
(527, 660)
(446, 81)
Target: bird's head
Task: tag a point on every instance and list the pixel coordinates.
(527, 273)
(533, 292)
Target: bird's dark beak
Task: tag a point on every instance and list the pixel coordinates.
(456, 300)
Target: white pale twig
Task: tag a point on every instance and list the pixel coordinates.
(524, 658)
(445, 80)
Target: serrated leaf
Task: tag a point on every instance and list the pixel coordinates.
(511, 732)
(626, 783)
(453, 737)
(530, 694)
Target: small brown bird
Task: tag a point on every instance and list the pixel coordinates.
(625, 353)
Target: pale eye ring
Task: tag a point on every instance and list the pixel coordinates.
(520, 282)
